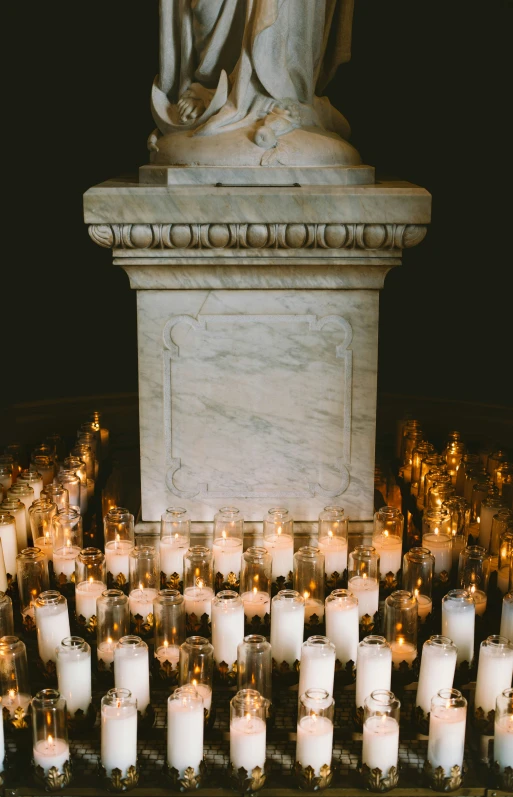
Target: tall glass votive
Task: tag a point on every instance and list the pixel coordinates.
(254, 665)
(437, 538)
(6, 615)
(113, 622)
(279, 541)
(52, 623)
(85, 453)
(380, 748)
(144, 568)
(248, 710)
(14, 681)
(507, 617)
(227, 632)
(175, 535)
(50, 752)
(500, 522)
(119, 736)
(458, 622)
(45, 466)
(32, 568)
(185, 733)
(420, 452)
(287, 629)
(496, 457)
(5, 478)
(9, 541)
(480, 490)
(333, 531)
(437, 668)
(74, 676)
(472, 570)
(433, 462)
(441, 490)
(197, 668)
(169, 620)
(342, 627)
(489, 507)
(24, 493)
(198, 589)
(118, 530)
(454, 452)
(33, 478)
(317, 668)
(401, 628)
(387, 539)
(363, 582)
(132, 669)
(446, 745)
(458, 511)
(418, 570)
(13, 506)
(56, 494)
(314, 745)
(505, 560)
(90, 582)
(70, 480)
(67, 542)
(374, 670)
(432, 476)
(309, 582)
(255, 587)
(503, 739)
(227, 548)
(41, 525)
(494, 674)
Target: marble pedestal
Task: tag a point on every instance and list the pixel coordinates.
(258, 331)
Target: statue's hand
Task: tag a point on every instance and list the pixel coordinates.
(190, 106)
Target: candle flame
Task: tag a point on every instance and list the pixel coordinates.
(68, 543)
(12, 693)
(109, 641)
(176, 536)
(330, 534)
(472, 589)
(223, 534)
(364, 575)
(255, 590)
(117, 537)
(279, 529)
(306, 594)
(50, 739)
(194, 682)
(166, 643)
(140, 585)
(200, 583)
(436, 530)
(91, 579)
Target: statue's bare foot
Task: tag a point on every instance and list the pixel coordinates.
(190, 106)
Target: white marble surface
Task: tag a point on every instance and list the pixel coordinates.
(153, 174)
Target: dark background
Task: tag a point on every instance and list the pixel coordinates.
(426, 93)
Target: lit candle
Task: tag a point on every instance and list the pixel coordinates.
(85, 596)
(389, 547)
(380, 749)
(314, 745)
(14, 700)
(170, 653)
(447, 721)
(247, 742)
(507, 617)
(458, 621)
(227, 626)
(402, 651)
(74, 673)
(480, 599)
(313, 608)
(440, 545)
(366, 589)
(9, 542)
(502, 579)
(198, 601)
(256, 604)
(374, 668)
(287, 627)
(64, 561)
(50, 752)
(424, 606)
(105, 652)
(281, 548)
(45, 544)
(342, 625)
(317, 669)
(118, 731)
(227, 556)
(3, 571)
(494, 672)
(172, 550)
(206, 693)
(437, 667)
(335, 554)
(52, 621)
(132, 670)
(141, 602)
(185, 721)
(117, 559)
(503, 741)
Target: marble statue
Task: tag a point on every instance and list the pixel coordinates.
(236, 76)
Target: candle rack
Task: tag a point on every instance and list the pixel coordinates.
(189, 781)
(309, 781)
(504, 779)
(56, 779)
(116, 781)
(374, 780)
(437, 779)
(245, 782)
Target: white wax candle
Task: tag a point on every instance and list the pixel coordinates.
(335, 554)
(494, 674)
(313, 607)
(13, 700)
(342, 630)
(10, 547)
(367, 592)
(64, 561)
(52, 623)
(502, 579)
(141, 602)
(424, 607)
(227, 632)
(133, 672)
(247, 742)
(170, 653)
(256, 604)
(287, 628)
(503, 742)
(380, 749)
(20, 520)
(74, 680)
(184, 735)
(45, 543)
(50, 752)
(440, 546)
(314, 746)
(37, 486)
(172, 550)
(446, 738)
(437, 667)
(227, 556)
(402, 651)
(507, 619)
(117, 558)
(480, 600)
(389, 547)
(3, 571)
(317, 669)
(198, 601)
(84, 498)
(486, 514)
(119, 738)
(372, 672)
(458, 544)
(458, 623)
(86, 593)
(2, 746)
(206, 693)
(105, 652)
(281, 548)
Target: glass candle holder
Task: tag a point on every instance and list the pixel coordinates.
(70, 480)
(363, 583)
(380, 747)
(473, 474)
(254, 665)
(56, 494)
(342, 626)
(118, 529)
(14, 680)
(87, 434)
(90, 582)
(33, 478)
(418, 570)
(144, 568)
(317, 670)
(198, 589)
(437, 668)
(431, 462)
(66, 543)
(255, 586)
(505, 485)
(458, 622)
(74, 675)
(490, 506)
(472, 570)
(9, 541)
(287, 629)
(446, 743)
(118, 524)
(374, 670)
(197, 668)
(504, 564)
(113, 622)
(52, 623)
(169, 619)
(5, 479)
(480, 490)
(13, 506)
(494, 674)
(45, 466)
(387, 539)
(503, 738)
(308, 579)
(24, 493)
(314, 745)
(175, 535)
(507, 617)
(410, 441)
(185, 731)
(119, 733)
(495, 458)
(437, 538)
(41, 523)
(279, 541)
(333, 531)
(248, 710)
(435, 473)
(401, 627)
(227, 548)
(98, 420)
(459, 514)
(421, 451)
(468, 461)
(402, 427)
(84, 452)
(227, 630)
(132, 669)
(32, 568)
(6, 615)
(50, 736)
(454, 452)
(441, 490)
(500, 523)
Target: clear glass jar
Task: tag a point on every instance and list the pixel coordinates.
(401, 627)
(401, 429)
(454, 452)
(227, 548)
(333, 531)
(279, 541)
(317, 670)
(287, 629)
(342, 621)
(480, 490)
(56, 445)
(14, 679)
(90, 582)
(33, 478)
(52, 622)
(380, 747)
(77, 466)
(503, 728)
(90, 565)
(50, 733)
(459, 513)
(70, 480)
(118, 524)
(495, 458)
(175, 535)
(169, 619)
(441, 490)
(5, 479)
(489, 507)
(418, 572)
(447, 726)
(255, 585)
(500, 522)
(433, 475)
(56, 494)
(13, 506)
(113, 623)
(6, 615)
(197, 668)
(437, 537)
(494, 674)
(84, 452)
(505, 483)
(472, 570)
(144, 568)
(66, 543)
(198, 589)
(185, 717)
(432, 461)
(87, 434)
(473, 475)
(374, 670)
(363, 582)
(505, 559)
(33, 578)
(248, 711)
(74, 674)
(45, 466)
(419, 454)
(314, 745)
(9, 542)
(24, 493)
(227, 629)
(41, 523)
(254, 665)
(437, 668)
(308, 576)
(411, 439)
(458, 623)
(118, 752)
(387, 539)
(132, 669)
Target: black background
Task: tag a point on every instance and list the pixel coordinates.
(427, 95)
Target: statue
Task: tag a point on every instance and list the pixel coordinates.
(239, 83)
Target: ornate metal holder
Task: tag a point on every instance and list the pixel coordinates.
(146, 721)
(281, 583)
(404, 674)
(504, 779)
(441, 583)
(284, 673)
(55, 779)
(358, 717)
(198, 626)
(65, 587)
(437, 779)
(141, 626)
(190, 780)
(210, 716)
(82, 720)
(389, 584)
(224, 675)
(173, 582)
(374, 780)
(48, 670)
(464, 674)
(116, 782)
(368, 625)
(335, 581)
(309, 781)
(231, 582)
(484, 724)
(315, 625)
(105, 669)
(29, 624)
(87, 627)
(257, 624)
(117, 582)
(165, 672)
(247, 783)
(19, 721)
(420, 720)
(345, 675)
